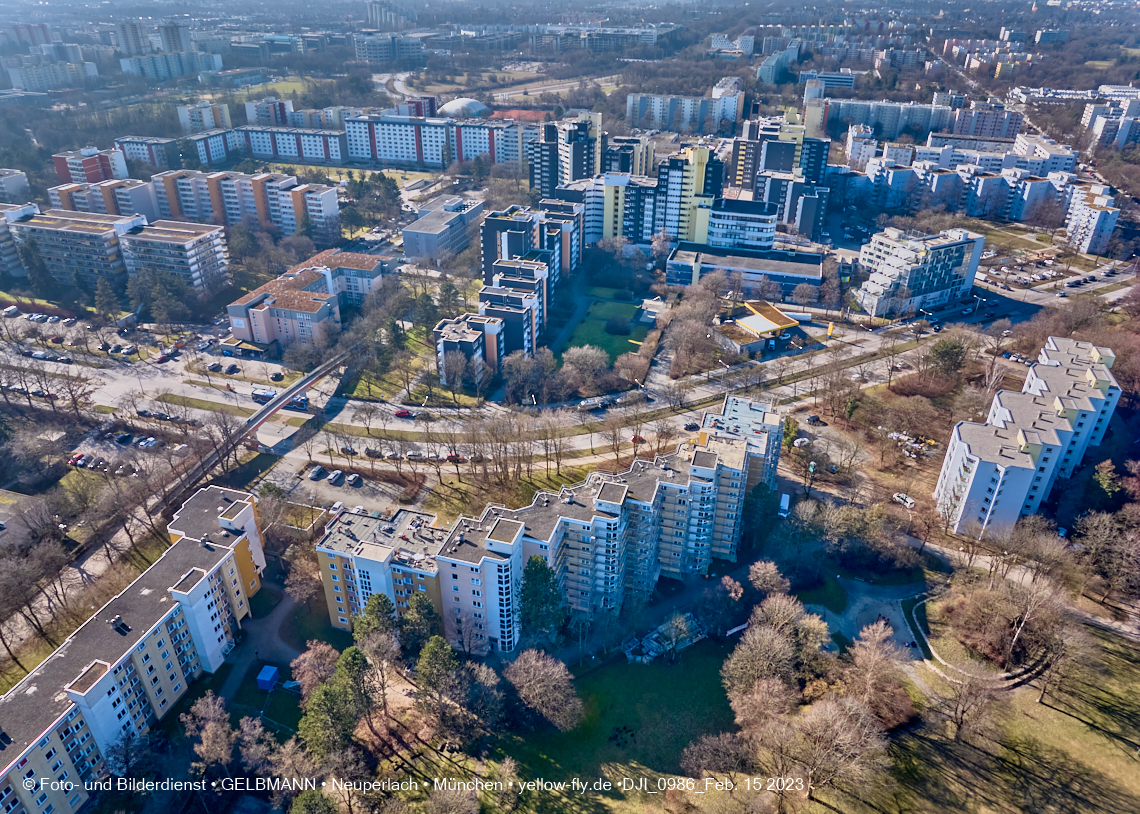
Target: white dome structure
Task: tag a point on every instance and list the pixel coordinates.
(464, 108)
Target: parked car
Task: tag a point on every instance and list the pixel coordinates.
(116, 348)
(816, 421)
(143, 413)
(352, 479)
(232, 369)
(129, 350)
(903, 499)
(405, 414)
(214, 367)
(636, 439)
(317, 472)
(123, 438)
(801, 442)
(276, 376)
(334, 476)
(692, 426)
(456, 458)
(53, 320)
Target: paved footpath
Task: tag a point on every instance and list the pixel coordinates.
(261, 643)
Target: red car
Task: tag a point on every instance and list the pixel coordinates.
(636, 439)
(405, 414)
(456, 458)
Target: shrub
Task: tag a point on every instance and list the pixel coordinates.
(617, 326)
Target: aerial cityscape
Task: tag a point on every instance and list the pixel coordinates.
(449, 408)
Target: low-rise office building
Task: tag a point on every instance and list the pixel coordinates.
(126, 668)
(689, 262)
(443, 229)
(1003, 469)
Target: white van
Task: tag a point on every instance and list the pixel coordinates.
(785, 505)
(336, 508)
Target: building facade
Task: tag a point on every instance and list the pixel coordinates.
(89, 165)
(78, 245)
(14, 187)
(911, 271)
(191, 252)
(160, 153)
(126, 668)
(204, 116)
(1002, 470)
(129, 197)
(444, 229)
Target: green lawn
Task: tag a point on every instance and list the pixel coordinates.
(1074, 753)
(203, 404)
(639, 718)
(311, 621)
(592, 330)
(280, 709)
(830, 595)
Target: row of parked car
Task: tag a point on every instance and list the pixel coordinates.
(1019, 359)
(334, 477)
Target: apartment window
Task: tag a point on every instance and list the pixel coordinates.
(342, 620)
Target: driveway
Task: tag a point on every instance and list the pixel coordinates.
(261, 643)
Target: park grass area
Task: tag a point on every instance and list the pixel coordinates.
(932, 569)
(453, 496)
(943, 642)
(592, 330)
(292, 84)
(311, 621)
(602, 292)
(263, 602)
(830, 594)
(639, 718)
(203, 404)
(1073, 753)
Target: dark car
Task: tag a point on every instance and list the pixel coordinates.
(232, 369)
(214, 367)
(692, 426)
(123, 438)
(276, 377)
(116, 348)
(144, 413)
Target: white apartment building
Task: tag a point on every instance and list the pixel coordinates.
(607, 539)
(14, 187)
(292, 143)
(685, 114)
(388, 139)
(1091, 219)
(126, 667)
(204, 116)
(910, 271)
(77, 244)
(215, 146)
(268, 111)
(9, 254)
(194, 253)
(1004, 469)
(127, 197)
(861, 146)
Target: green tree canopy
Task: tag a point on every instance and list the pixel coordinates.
(379, 616)
(418, 624)
(541, 600)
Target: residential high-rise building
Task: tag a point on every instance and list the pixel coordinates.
(1091, 219)
(89, 165)
(269, 111)
(194, 253)
(999, 471)
(126, 668)
(608, 540)
(987, 120)
(45, 76)
(632, 154)
(685, 114)
(565, 151)
(388, 48)
(274, 142)
(204, 116)
(386, 16)
(480, 340)
(127, 197)
(133, 38)
(160, 67)
(174, 37)
(160, 153)
(861, 146)
(14, 187)
(685, 182)
(225, 198)
(410, 141)
(79, 245)
(909, 271)
(9, 254)
(556, 227)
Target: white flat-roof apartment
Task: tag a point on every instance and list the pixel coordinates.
(607, 539)
(909, 271)
(1000, 471)
(14, 187)
(195, 253)
(9, 254)
(82, 244)
(204, 116)
(128, 665)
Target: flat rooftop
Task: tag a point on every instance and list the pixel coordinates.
(407, 537)
(33, 706)
(803, 263)
(197, 519)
